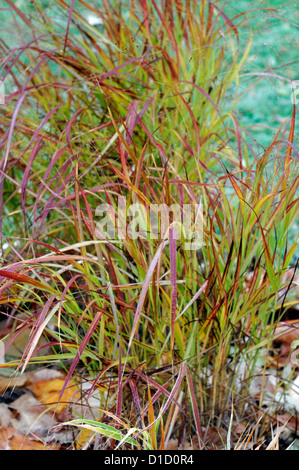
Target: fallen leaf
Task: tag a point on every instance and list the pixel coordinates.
(45, 374)
(290, 421)
(215, 438)
(24, 443)
(11, 439)
(48, 393)
(5, 435)
(84, 436)
(285, 334)
(238, 429)
(12, 382)
(172, 444)
(29, 416)
(264, 384)
(5, 416)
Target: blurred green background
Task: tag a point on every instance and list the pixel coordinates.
(266, 101)
(273, 26)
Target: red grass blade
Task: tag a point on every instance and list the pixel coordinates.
(291, 139)
(228, 21)
(36, 333)
(173, 273)
(68, 25)
(134, 390)
(26, 279)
